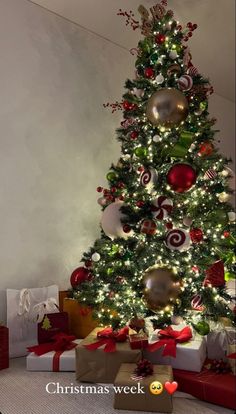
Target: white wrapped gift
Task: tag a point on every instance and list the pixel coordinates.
(190, 355)
(218, 339)
(47, 362)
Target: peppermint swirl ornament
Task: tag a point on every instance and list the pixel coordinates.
(161, 207)
(196, 302)
(185, 83)
(178, 239)
(149, 178)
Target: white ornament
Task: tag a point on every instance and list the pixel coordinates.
(231, 216)
(223, 197)
(159, 79)
(148, 179)
(173, 54)
(187, 221)
(96, 257)
(138, 92)
(156, 138)
(111, 221)
(178, 239)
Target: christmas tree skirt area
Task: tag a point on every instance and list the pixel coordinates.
(24, 392)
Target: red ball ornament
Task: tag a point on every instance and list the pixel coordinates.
(120, 184)
(160, 38)
(206, 148)
(169, 225)
(149, 73)
(196, 235)
(126, 228)
(226, 233)
(181, 177)
(99, 189)
(79, 275)
(113, 189)
(134, 135)
(140, 203)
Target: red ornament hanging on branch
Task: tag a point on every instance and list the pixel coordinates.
(215, 275)
(181, 177)
(205, 149)
(196, 235)
(80, 275)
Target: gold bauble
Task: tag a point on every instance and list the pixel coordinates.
(167, 107)
(161, 288)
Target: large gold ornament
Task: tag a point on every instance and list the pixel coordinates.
(161, 288)
(167, 107)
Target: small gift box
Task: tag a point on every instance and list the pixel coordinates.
(52, 324)
(99, 356)
(145, 400)
(218, 339)
(138, 341)
(177, 348)
(4, 347)
(53, 356)
(81, 322)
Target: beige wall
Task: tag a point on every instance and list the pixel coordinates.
(56, 141)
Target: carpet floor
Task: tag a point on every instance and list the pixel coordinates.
(23, 392)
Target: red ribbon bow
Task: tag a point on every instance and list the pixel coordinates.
(62, 342)
(169, 339)
(232, 356)
(109, 338)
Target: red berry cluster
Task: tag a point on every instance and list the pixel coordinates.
(113, 193)
(116, 106)
(191, 27)
(129, 106)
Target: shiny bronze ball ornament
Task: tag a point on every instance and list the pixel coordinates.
(167, 107)
(161, 288)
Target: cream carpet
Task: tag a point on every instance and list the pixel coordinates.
(23, 392)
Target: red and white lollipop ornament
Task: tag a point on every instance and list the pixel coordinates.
(149, 178)
(178, 239)
(161, 207)
(185, 83)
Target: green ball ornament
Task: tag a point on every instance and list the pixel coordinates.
(203, 105)
(111, 176)
(140, 152)
(153, 58)
(202, 328)
(109, 271)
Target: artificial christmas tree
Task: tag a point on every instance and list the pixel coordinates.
(167, 227)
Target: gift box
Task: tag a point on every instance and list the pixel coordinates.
(4, 347)
(138, 341)
(218, 339)
(189, 355)
(53, 360)
(232, 357)
(52, 324)
(81, 322)
(209, 386)
(143, 401)
(100, 365)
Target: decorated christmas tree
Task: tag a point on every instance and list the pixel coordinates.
(166, 246)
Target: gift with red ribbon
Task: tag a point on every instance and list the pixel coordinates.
(4, 347)
(138, 341)
(61, 343)
(169, 339)
(108, 337)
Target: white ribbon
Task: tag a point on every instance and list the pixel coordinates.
(24, 302)
(42, 308)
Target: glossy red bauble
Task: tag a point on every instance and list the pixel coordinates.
(79, 275)
(181, 177)
(160, 38)
(206, 148)
(140, 203)
(149, 73)
(126, 228)
(134, 135)
(196, 235)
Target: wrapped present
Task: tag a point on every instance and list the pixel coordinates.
(209, 386)
(81, 322)
(143, 401)
(177, 348)
(138, 341)
(232, 357)
(218, 339)
(52, 324)
(25, 309)
(58, 355)
(4, 347)
(99, 355)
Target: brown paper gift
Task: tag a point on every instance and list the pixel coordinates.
(100, 366)
(147, 401)
(81, 322)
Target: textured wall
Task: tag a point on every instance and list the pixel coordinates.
(56, 141)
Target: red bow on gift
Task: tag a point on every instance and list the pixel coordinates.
(62, 342)
(169, 339)
(232, 356)
(109, 338)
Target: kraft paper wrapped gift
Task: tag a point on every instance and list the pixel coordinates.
(53, 361)
(99, 366)
(81, 322)
(143, 402)
(189, 355)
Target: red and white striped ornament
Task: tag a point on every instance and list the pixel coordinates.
(149, 178)
(148, 227)
(161, 207)
(178, 239)
(210, 174)
(196, 302)
(185, 83)
(192, 71)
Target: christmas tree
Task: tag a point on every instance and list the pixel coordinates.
(166, 246)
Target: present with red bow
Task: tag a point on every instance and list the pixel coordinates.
(4, 347)
(52, 324)
(100, 354)
(177, 348)
(56, 355)
(138, 341)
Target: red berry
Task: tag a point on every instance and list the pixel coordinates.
(134, 135)
(160, 38)
(190, 34)
(127, 105)
(149, 73)
(113, 189)
(140, 203)
(121, 198)
(195, 26)
(99, 189)
(185, 38)
(120, 184)
(189, 24)
(88, 263)
(226, 233)
(126, 228)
